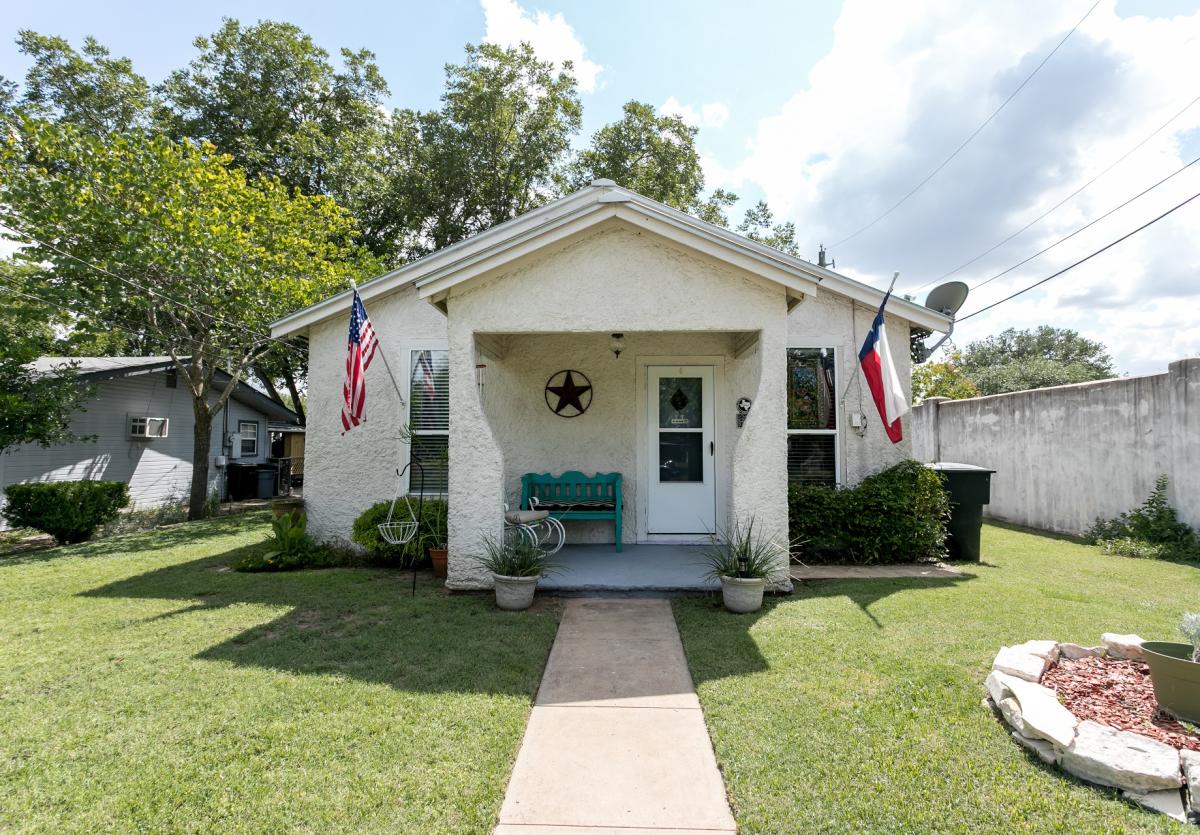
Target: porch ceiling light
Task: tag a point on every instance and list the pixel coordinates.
(617, 344)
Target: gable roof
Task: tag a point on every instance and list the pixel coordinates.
(107, 368)
(434, 274)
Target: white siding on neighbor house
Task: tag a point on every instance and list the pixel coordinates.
(157, 470)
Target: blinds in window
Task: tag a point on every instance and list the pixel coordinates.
(811, 459)
(429, 400)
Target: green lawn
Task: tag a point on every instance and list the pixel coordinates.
(855, 706)
(143, 687)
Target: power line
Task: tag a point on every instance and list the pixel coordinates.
(973, 133)
(1081, 260)
(1087, 225)
(1060, 203)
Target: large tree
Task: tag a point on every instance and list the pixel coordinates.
(942, 378)
(1016, 360)
(172, 241)
(87, 88)
(759, 224)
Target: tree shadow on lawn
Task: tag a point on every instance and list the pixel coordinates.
(361, 623)
(866, 592)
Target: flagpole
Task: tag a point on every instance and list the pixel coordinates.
(383, 353)
(854, 376)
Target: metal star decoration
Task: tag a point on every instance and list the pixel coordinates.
(571, 395)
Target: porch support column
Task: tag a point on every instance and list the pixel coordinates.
(759, 476)
(476, 495)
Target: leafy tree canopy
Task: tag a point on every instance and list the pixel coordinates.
(650, 153)
(34, 408)
(87, 88)
(181, 247)
(1060, 345)
(942, 379)
(759, 225)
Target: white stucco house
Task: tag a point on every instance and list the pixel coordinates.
(706, 318)
(140, 419)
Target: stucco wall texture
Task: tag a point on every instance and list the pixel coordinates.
(1066, 455)
(555, 311)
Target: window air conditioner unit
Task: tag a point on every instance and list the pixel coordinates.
(148, 428)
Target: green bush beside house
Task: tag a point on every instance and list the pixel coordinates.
(897, 515)
(70, 511)
(431, 533)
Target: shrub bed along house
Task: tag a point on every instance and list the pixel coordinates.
(897, 515)
(70, 511)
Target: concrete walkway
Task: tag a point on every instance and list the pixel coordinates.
(616, 742)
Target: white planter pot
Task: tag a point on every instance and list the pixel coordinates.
(743, 595)
(514, 593)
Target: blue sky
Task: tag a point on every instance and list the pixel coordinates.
(832, 111)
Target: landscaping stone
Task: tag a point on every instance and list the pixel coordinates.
(1045, 751)
(1191, 771)
(999, 685)
(1122, 646)
(1121, 759)
(1047, 650)
(1074, 651)
(1010, 709)
(1042, 714)
(1017, 662)
(1168, 801)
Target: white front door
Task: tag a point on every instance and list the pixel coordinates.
(683, 485)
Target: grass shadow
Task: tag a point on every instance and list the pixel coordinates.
(361, 623)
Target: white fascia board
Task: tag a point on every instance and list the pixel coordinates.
(918, 314)
(436, 262)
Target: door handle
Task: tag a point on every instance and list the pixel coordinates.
(712, 448)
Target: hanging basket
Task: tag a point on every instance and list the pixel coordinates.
(397, 533)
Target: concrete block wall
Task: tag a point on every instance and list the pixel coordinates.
(1066, 455)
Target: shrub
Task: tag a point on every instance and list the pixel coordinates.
(1151, 530)
(1190, 629)
(70, 511)
(290, 547)
(898, 515)
(431, 533)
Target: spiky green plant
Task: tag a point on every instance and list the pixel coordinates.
(737, 551)
(516, 557)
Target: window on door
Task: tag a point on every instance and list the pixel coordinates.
(429, 419)
(812, 416)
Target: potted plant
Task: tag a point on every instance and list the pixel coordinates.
(1175, 671)
(742, 563)
(435, 540)
(516, 567)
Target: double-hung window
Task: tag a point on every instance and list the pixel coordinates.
(247, 439)
(812, 456)
(429, 419)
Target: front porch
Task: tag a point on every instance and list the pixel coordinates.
(639, 567)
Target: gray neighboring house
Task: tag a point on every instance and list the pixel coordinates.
(141, 417)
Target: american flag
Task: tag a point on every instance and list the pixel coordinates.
(425, 364)
(360, 350)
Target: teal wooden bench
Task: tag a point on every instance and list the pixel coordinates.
(574, 495)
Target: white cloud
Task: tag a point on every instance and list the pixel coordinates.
(552, 38)
(713, 114)
(904, 83)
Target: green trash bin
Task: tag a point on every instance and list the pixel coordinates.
(969, 488)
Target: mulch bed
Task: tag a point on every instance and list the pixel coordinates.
(1118, 694)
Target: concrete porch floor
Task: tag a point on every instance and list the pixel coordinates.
(642, 567)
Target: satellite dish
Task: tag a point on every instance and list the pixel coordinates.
(947, 298)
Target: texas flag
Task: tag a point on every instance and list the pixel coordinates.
(877, 366)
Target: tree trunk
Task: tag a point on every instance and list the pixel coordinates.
(268, 384)
(201, 446)
(294, 391)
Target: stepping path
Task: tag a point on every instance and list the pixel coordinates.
(616, 740)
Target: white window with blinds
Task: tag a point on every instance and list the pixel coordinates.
(812, 416)
(429, 418)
